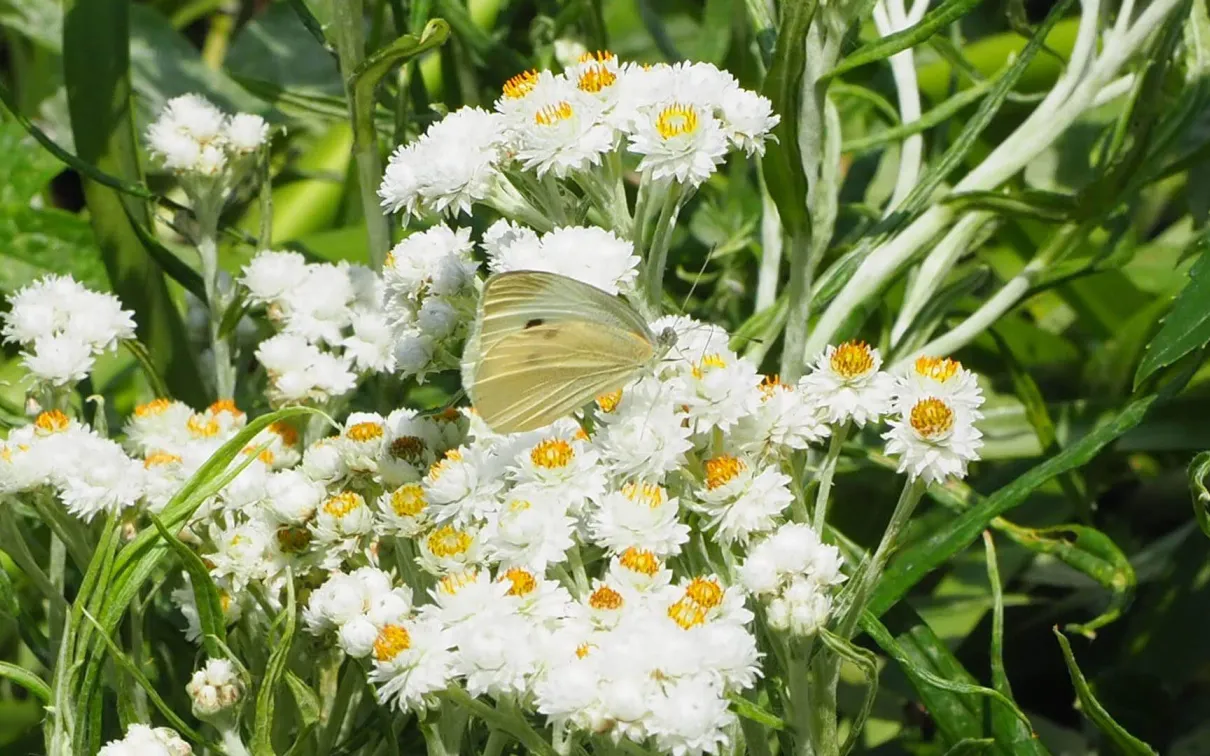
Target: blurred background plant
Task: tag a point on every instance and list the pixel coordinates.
(1065, 264)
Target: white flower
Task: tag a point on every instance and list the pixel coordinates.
(357, 606)
(451, 167)
(639, 515)
(340, 525)
(940, 377)
(532, 529)
(319, 307)
(142, 740)
(437, 260)
(562, 462)
(450, 549)
(158, 425)
(58, 360)
(324, 461)
(246, 132)
(747, 119)
(497, 653)
(291, 497)
(934, 439)
(184, 599)
(691, 716)
(640, 434)
(404, 511)
(783, 419)
(459, 596)
(801, 609)
(414, 353)
(848, 385)
(718, 390)
(412, 659)
(462, 486)
(247, 552)
(214, 688)
(363, 441)
(558, 129)
(589, 254)
(271, 275)
(189, 136)
(680, 141)
(740, 501)
(100, 479)
(299, 371)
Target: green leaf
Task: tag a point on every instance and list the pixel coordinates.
(150, 372)
(308, 709)
(276, 48)
(206, 597)
(919, 559)
(1121, 739)
(8, 596)
(25, 679)
(933, 117)
(103, 130)
(934, 21)
(1199, 469)
(971, 747)
(1033, 204)
(367, 75)
(1187, 326)
(867, 664)
(266, 696)
(1008, 728)
(782, 164)
(754, 712)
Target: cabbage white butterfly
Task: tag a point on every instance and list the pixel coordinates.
(544, 345)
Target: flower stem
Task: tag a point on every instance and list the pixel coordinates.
(661, 239)
(216, 298)
(826, 471)
(233, 744)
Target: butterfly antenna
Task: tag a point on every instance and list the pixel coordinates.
(698, 277)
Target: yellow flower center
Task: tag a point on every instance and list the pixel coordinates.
(706, 592)
(156, 459)
(600, 56)
(521, 84)
(931, 417)
(640, 560)
(596, 78)
(676, 120)
(392, 641)
(408, 500)
(408, 448)
(343, 503)
(363, 432)
(225, 405)
(552, 453)
(584, 649)
(852, 359)
(940, 369)
(554, 113)
(708, 362)
(284, 431)
(224, 600)
(293, 540)
(152, 408)
(723, 469)
(770, 385)
(448, 541)
(51, 421)
(687, 614)
(605, 598)
(202, 426)
(389, 262)
(452, 583)
(649, 493)
(609, 402)
(519, 505)
(523, 582)
(264, 456)
(441, 465)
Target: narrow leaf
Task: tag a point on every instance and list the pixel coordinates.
(25, 679)
(211, 619)
(266, 697)
(934, 21)
(1187, 326)
(1199, 469)
(751, 710)
(867, 665)
(1092, 708)
(1052, 207)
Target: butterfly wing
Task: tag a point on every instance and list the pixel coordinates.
(534, 376)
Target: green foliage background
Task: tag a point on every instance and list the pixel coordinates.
(1084, 484)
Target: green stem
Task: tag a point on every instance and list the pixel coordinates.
(218, 37)
(57, 611)
(233, 744)
(798, 294)
(216, 300)
(348, 36)
(432, 739)
(826, 471)
(661, 240)
(495, 743)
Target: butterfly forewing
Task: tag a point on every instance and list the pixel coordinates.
(529, 376)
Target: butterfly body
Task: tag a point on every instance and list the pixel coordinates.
(544, 345)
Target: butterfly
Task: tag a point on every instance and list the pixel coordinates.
(543, 345)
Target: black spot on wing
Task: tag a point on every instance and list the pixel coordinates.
(533, 322)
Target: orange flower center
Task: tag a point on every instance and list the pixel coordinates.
(931, 417)
(156, 459)
(723, 469)
(708, 362)
(202, 426)
(284, 431)
(609, 402)
(687, 614)
(706, 592)
(363, 432)
(605, 598)
(552, 453)
(523, 582)
(852, 359)
(225, 405)
(154, 407)
(408, 500)
(596, 78)
(51, 421)
(940, 369)
(448, 541)
(649, 493)
(343, 503)
(452, 583)
(521, 84)
(441, 465)
(392, 641)
(770, 385)
(640, 561)
(554, 113)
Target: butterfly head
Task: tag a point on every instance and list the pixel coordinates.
(665, 340)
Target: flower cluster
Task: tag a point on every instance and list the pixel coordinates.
(794, 571)
(612, 265)
(193, 138)
(62, 326)
(142, 740)
(679, 121)
(331, 326)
